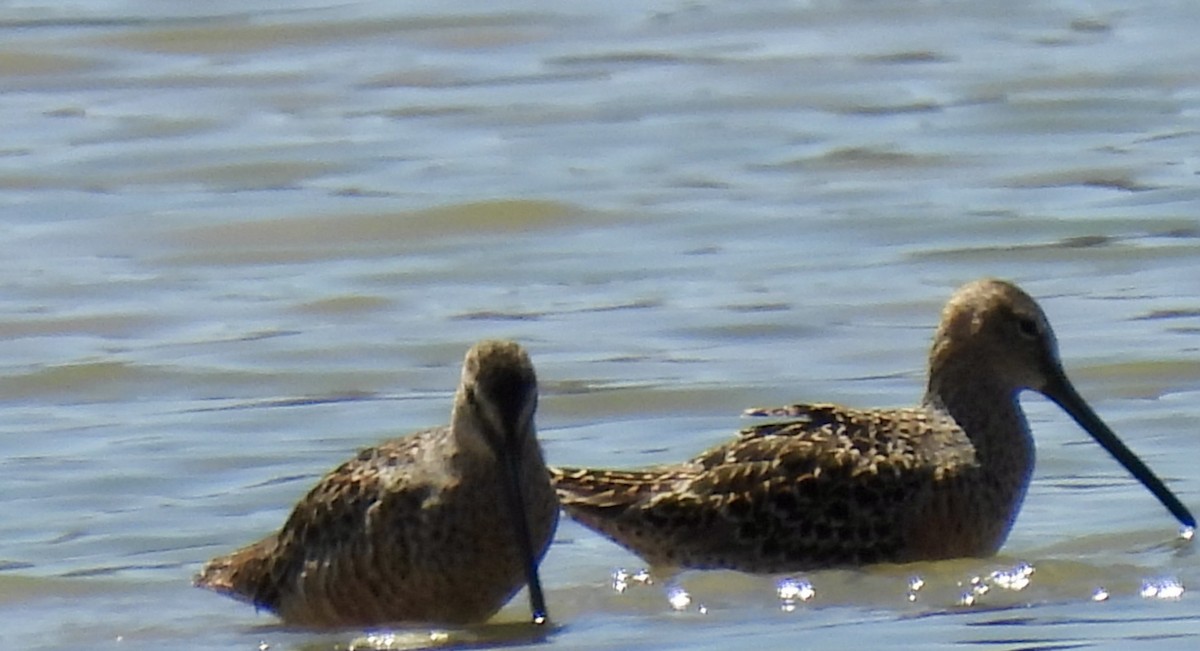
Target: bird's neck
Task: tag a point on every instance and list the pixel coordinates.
(989, 414)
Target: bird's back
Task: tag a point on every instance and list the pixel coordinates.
(408, 530)
(824, 486)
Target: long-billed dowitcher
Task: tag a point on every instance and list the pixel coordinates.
(441, 526)
(834, 486)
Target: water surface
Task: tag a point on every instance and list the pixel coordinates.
(242, 240)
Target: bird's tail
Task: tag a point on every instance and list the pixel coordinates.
(245, 575)
(600, 489)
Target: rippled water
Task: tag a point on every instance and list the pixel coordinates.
(241, 240)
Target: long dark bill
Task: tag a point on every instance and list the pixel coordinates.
(1064, 395)
(516, 507)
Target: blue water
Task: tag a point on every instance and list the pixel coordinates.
(242, 240)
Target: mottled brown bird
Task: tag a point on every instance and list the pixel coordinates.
(833, 486)
(442, 526)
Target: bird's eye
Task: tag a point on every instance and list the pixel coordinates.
(1027, 327)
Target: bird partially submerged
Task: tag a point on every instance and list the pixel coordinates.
(444, 525)
(825, 485)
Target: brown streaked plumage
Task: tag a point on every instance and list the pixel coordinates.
(441, 526)
(832, 486)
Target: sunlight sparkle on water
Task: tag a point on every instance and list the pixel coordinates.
(1187, 533)
(679, 598)
(915, 583)
(399, 641)
(979, 587)
(792, 591)
(622, 579)
(1015, 578)
(1100, 594)
(1162, 589)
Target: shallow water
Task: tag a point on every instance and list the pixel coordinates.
(241, 240)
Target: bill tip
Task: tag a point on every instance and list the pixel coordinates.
(1187, 532)
(539, 618)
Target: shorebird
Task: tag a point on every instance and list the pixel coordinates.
(441, 526)
(828, 486)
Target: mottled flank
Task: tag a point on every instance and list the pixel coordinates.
(824, 485)
(442, 526)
